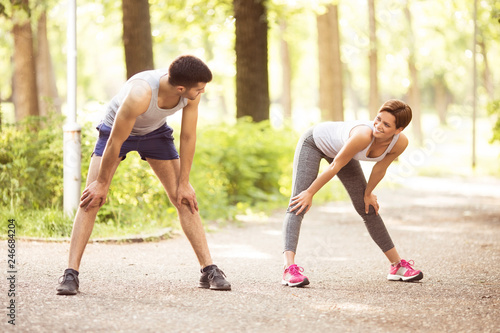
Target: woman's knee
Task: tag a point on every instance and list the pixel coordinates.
(367, 217)
(300, 215)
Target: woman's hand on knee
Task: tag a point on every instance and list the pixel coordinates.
(371, 200)
(301, 203)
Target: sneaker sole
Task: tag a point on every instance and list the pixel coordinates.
(67, 292)
(207, 286)
(304, 282)
(418, 277)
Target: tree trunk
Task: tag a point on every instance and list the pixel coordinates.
(413, 90)
(441, 99)
(24, 90)
(488, 82)
(374, 102)
(252, 78)
(137, 38)
(48, 98)
(352, 94)
(330, 66)
(286, 95)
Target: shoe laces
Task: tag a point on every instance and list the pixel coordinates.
(64, 277)
(295, 270)
(215, 272)
(407, 264)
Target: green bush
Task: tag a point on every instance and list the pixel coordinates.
(236, 167)
(494, 110)
(240, 166)
(31, 164)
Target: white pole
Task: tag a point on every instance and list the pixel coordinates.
(72, 131)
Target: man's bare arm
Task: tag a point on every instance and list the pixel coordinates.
(187, 150)
(135, 103)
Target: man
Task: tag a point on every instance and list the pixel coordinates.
(135, 120)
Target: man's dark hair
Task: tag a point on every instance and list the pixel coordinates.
(188, 71)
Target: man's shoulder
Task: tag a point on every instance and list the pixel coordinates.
(138, 96)
(151, 76)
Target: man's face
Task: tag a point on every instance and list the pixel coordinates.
(194, 92)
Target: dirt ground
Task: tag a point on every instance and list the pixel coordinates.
(449, 227)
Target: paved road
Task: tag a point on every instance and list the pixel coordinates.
(450, 229)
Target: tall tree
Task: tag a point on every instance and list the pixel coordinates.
(137, 38)
(413, 90)
(286, 70)
(487, 36)
(252, 78)
(24, 88)
(487, 80)
(374, 102)
(331, 96)
(441, 97)
(48, 98)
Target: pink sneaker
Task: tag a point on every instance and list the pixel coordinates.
(404, 271)
(292, 277)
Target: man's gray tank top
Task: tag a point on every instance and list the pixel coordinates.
(331, 136)
(154, 117)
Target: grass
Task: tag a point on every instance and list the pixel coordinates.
(52, 223)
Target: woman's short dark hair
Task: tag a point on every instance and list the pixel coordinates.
(400, 110)
(188, 71)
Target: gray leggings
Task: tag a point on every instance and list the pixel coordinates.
(305, 170)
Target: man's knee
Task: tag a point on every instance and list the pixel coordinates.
(172, 199)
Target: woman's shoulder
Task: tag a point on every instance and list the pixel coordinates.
(360, 131)
(403, 139)
(401, 144)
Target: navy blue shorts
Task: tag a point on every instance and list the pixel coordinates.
(158, 145)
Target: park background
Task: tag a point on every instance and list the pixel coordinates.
(279, 67)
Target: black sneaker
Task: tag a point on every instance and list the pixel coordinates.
(212, 277)
(69, 284)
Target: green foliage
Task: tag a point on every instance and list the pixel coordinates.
(241, 165)
(236, 167)
(494, 110)
(46, 223)
(30, 163)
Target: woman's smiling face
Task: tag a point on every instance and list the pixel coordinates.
(385, 126)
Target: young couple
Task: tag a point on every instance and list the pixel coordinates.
(135, 120)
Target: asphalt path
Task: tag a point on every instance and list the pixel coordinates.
(450, 228)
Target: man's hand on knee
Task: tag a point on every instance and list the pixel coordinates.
(187, 196)
(93, 196)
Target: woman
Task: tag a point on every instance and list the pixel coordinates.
(343, 145)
